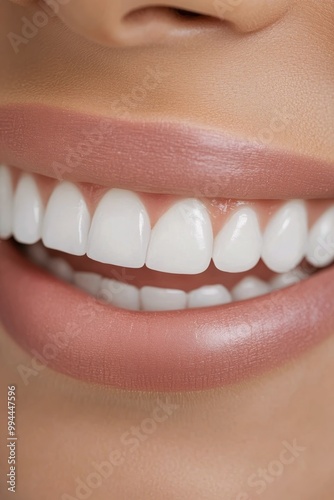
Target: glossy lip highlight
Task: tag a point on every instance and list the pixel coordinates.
(177, 158)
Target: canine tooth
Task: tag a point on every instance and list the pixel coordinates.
(285, 237)
(162, 299)
(182, 240)
(67, 220)
(320, 248)
(120, 230)
(238, 245)
(60, 268)
(249, 288)
(28, 211)
(88, 282)
(211, 295)
(6, 202)
(120, 294)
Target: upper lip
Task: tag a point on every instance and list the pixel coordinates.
(159, 157)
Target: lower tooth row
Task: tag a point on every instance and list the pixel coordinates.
(148, 298)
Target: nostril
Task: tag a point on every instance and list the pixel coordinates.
(158, 24)
(147, 15)
(187, 14)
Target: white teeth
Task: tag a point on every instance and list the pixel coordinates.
(120, 230)
(88, 282)
(61, 269)
(120, 294)
(285, 237)
(6, 202)
(148, 298)
(206, 296)
(162, 299)
(320, 250)
(238, 246)
(67, 220)
(28, 211)
(288, 279)
(249, 288)
(182, 240)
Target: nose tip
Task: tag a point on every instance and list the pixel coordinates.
(143, 22)
(134, 22)
(149, 24)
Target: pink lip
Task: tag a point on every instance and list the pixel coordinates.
(185, 350)
(182, 350)
(155, 157)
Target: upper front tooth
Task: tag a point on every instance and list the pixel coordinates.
(120, 230)
(238, 246)
(182, 240)
(320, 250)
(6, 202)
(28, 211)
(67, 220)
(285, 237)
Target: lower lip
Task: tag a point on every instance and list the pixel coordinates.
(74, 334)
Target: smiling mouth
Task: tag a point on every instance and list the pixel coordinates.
(158, 253)
(186, 292)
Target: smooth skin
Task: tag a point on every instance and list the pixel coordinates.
(267, 58)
